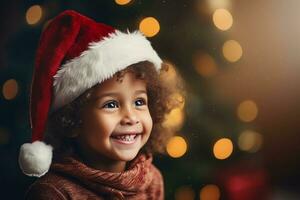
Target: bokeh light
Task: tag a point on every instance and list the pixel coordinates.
(122, 2)
(223, 148)
(216, 4)
(149, 26)
(184, 193)
(222, 19)
(205, 65)
(210, 192)
(232, 50)
(10, 89)
(247, 111)
(174, 120)
(176, 146)
(250, 141)
(34, 14)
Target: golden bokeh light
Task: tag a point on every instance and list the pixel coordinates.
(149, 26)
(250, 141)
(247, 111)
(34, 14)
(185, 193)
(215, 4)
(122, 2)
(223, 148)
(205, 65)
(210, 192)
(10, 89)
(174, 119)
(176, 146)
(232, 50)
(222, 19)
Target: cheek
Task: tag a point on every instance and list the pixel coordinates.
(99, 124)
(147, 122)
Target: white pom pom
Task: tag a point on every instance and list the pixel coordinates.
(35, 158)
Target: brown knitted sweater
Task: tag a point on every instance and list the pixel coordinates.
(72, 179)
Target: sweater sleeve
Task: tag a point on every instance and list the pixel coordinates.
(43, 191)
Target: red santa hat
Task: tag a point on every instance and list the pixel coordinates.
(74, 54)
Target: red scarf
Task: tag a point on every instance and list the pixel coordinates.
(133, 183)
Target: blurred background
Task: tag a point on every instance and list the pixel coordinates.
(237, 132)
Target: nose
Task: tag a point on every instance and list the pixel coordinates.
(129, 116)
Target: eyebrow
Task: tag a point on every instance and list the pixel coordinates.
(116, 94)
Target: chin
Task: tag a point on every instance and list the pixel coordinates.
(129, 156)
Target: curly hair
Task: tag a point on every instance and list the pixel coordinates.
(61, 123)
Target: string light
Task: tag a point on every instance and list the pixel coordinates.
(122, 2)
(222, 19)
(205, 65)
(210, 192)
(250, 141)
(232, 50)
(174, 119)
(10, 89)
(223, 148)
(185, 193)
(215, 4)
(176, 147)
(34, 14)
(149, 26)
(247, 111)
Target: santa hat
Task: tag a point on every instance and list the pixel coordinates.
(74, 54)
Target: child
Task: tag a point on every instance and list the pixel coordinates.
(98, 102)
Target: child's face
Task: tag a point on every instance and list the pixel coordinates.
(116, 121)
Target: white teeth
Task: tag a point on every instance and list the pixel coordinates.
(126, 137)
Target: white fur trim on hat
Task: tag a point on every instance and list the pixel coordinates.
(35, 158)
(100, 62)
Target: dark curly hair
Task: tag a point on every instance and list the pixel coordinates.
(61, 123)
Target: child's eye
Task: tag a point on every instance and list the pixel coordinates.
(111, 104)
(140, 102)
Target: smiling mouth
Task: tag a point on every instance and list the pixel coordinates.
(125, 138)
